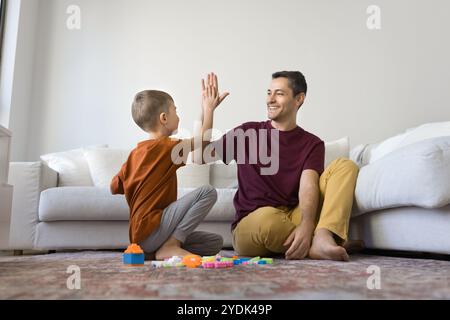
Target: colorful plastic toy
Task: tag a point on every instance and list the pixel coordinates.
(209, 262)
(209, 259)
(158, 264)
(174, 261)
(192, 261)
(133, 256)
(255, 259)
(220, 264)
(268, 260)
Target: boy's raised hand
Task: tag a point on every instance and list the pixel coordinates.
(210, 93)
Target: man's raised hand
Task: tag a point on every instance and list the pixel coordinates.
(210, 93)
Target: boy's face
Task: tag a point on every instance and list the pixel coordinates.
(172, 119)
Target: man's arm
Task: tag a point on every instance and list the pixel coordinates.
(300, 239)
(308, 195)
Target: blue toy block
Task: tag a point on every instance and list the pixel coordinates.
(237, 261)
(262, 262)
(133, 258)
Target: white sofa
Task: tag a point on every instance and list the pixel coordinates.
(64, 202)
(402, 196)
(50, 211)
(48, 217)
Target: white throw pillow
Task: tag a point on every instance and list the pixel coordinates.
(415, 175)
(71, 165)
(365, 154)
(336, 149)
(104, 164)
(224, 176)
(193, 176)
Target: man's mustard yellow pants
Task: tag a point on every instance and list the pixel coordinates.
(263, 231)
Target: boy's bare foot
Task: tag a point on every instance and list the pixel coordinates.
(170, 251)
(325, 248)
(353, 246)
(149, 256)
(170, 248)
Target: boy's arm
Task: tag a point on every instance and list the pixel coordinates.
(116, 186)
(211, 99)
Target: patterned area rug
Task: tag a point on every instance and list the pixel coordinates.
(103, 276)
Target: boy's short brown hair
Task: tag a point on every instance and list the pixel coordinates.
(147, 106)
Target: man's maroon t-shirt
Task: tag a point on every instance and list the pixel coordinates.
(298, 150)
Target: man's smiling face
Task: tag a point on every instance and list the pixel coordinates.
(281, 103)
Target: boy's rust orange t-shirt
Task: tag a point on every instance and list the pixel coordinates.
(149, 182)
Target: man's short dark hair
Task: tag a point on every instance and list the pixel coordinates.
(296, 80)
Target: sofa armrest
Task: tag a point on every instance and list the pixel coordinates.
(29, 179)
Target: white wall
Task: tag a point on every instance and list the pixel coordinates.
(365, 84)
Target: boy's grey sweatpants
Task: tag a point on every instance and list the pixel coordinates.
(181, 218)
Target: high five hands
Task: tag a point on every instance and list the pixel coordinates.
(211, 97)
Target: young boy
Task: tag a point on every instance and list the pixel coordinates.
(159, 222)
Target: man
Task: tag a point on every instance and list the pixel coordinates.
(299, 209)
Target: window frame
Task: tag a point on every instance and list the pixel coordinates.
(3, 4)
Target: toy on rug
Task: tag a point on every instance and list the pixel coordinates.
(133, 256)
(209, 262)
(192, 260)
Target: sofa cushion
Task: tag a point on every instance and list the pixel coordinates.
(223, 209)
(81, 203)
(336, 149)
(405, 229)
(104, 164)
(223, 176)
(92, 203)
(367, 153)
(193, 176)
(71, 165)
(415, 175)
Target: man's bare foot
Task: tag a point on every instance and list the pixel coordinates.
(325, 248)
(172, 247)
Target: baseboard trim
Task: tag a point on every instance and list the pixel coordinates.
(406, 254)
